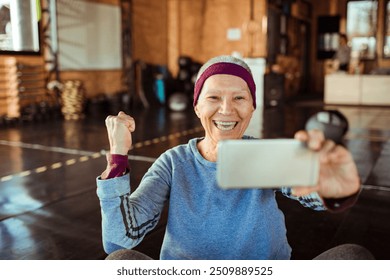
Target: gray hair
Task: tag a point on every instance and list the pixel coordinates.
(223, 58)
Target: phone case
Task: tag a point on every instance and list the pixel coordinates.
(269, 163)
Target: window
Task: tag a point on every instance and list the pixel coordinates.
(386, 41)
(19, 29)
(361, 27)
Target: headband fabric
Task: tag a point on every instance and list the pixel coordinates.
(229, 69)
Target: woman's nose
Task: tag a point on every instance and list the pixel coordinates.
(226, 107)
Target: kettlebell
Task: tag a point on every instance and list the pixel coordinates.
(332, 123)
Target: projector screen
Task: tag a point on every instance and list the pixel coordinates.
(89, 35)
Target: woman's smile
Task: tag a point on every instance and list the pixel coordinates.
(225, 125)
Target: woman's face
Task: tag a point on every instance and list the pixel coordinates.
(225, 107)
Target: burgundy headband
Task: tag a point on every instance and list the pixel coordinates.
(229, 69)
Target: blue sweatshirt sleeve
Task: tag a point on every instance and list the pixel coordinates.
(127, 216)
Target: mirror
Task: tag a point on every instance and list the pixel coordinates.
(19, 29)
(386, 39)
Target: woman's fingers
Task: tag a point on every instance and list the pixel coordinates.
(127, 120)
(302, 191)
(313, 138)
(118, 128)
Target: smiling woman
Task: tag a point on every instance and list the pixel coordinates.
(19, 30)
(224, 101)
(203, 218)
(225, 108)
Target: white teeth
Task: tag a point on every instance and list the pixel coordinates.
(225, 125)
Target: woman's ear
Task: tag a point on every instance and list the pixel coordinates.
(197, 111)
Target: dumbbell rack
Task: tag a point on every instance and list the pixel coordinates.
(23, 93)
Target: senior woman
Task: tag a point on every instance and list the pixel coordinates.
(205, 221)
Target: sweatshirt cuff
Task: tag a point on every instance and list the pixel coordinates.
(113, 188)
(341, 204)
(117, 165)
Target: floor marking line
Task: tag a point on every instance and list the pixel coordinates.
(40, 169)
(6, 178)
(86, 155)
(25, 173)
(45, 148)
(56, 165)
(96, 155)
(70, 161)
(141, 158)
(138, 145)
(83, 159)
(147, 142)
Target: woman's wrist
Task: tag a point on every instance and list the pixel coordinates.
(118, 151)
(117, 165)
(341, 204)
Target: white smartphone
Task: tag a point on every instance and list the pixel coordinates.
(267, 163)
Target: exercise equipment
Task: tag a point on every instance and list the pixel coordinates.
(332, 122)
(178, 101)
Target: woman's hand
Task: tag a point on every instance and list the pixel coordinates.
(119, 130)
(338, 173)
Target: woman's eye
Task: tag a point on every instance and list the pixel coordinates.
(213, 97)
(239, 97)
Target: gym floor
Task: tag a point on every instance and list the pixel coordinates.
(48, 204)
